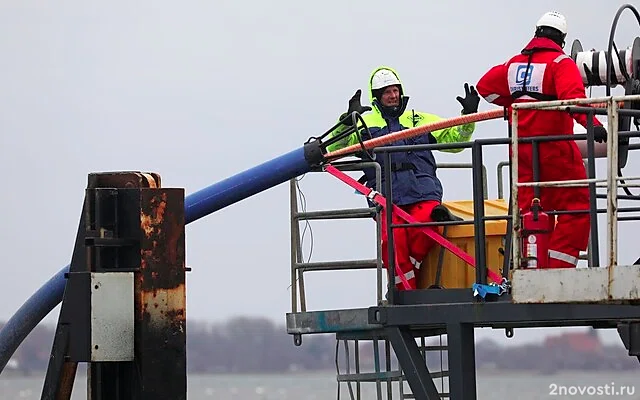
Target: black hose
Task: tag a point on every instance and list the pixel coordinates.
(355, 118)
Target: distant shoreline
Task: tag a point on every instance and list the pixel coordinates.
(257, 346)
(480, 372)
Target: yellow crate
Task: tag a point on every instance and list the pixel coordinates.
(456, 273)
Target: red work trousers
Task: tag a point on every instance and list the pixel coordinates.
(411, 245)
(558, 161)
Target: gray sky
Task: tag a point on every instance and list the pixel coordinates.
(203, 90)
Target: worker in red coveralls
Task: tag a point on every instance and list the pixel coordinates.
(543, 72)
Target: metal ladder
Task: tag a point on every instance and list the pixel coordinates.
(382, 367)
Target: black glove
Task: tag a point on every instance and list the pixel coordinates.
(599, 134)
(470, 101)
(355, 105)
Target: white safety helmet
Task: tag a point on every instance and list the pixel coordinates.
(553, 19)
(384, 78)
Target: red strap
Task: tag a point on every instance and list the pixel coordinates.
(379, 199)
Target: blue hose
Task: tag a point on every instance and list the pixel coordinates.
(197, 205)
(245, 184)
(30, 314)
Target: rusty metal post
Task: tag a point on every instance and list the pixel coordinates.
(612, 186)
(154, 218)
(160, 297)
(123, 310)
(515, 209)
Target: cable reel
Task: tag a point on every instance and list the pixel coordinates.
(625, 72)
(593, 64)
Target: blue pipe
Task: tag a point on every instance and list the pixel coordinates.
(30, 314)
(245, 184)
(197, 205)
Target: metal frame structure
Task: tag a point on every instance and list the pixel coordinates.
(612, 112)
(124, 305)
(349, 325)
(299, 267)
(417, 314)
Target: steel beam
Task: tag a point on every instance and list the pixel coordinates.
(434, 296)
(594, 250)
(331, 321)
(60, 375)
(412, 363)
(54, 386)
(478, 215)
(502, 314)
(160, 301)
(461, 361)
(630, 335)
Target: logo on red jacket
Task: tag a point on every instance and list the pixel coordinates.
(523, 74)
(531, 76)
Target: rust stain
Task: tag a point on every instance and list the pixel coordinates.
(67, 378)
(162, 252)
(151, 181)
(150, 222)
(175, 234)
(146, 224)
(162, 274)
(168, 307)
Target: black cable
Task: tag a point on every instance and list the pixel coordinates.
(609, 60)
(356, 118)
(303, 207)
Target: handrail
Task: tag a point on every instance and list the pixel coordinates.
(298, 266)
(612, 112)
(514, 226)
(501, 165)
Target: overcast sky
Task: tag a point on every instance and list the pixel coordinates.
(198, 91)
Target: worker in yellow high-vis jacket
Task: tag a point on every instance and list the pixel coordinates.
(415, 185)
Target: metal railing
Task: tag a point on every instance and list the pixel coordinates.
(299, 266)
(500, 181)
(612, 112)
(479, 195)
(461, 165)
(512, 218)
(588, 255)
(512, 246)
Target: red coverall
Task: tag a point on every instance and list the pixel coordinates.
(546, 74)
(409, 243)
